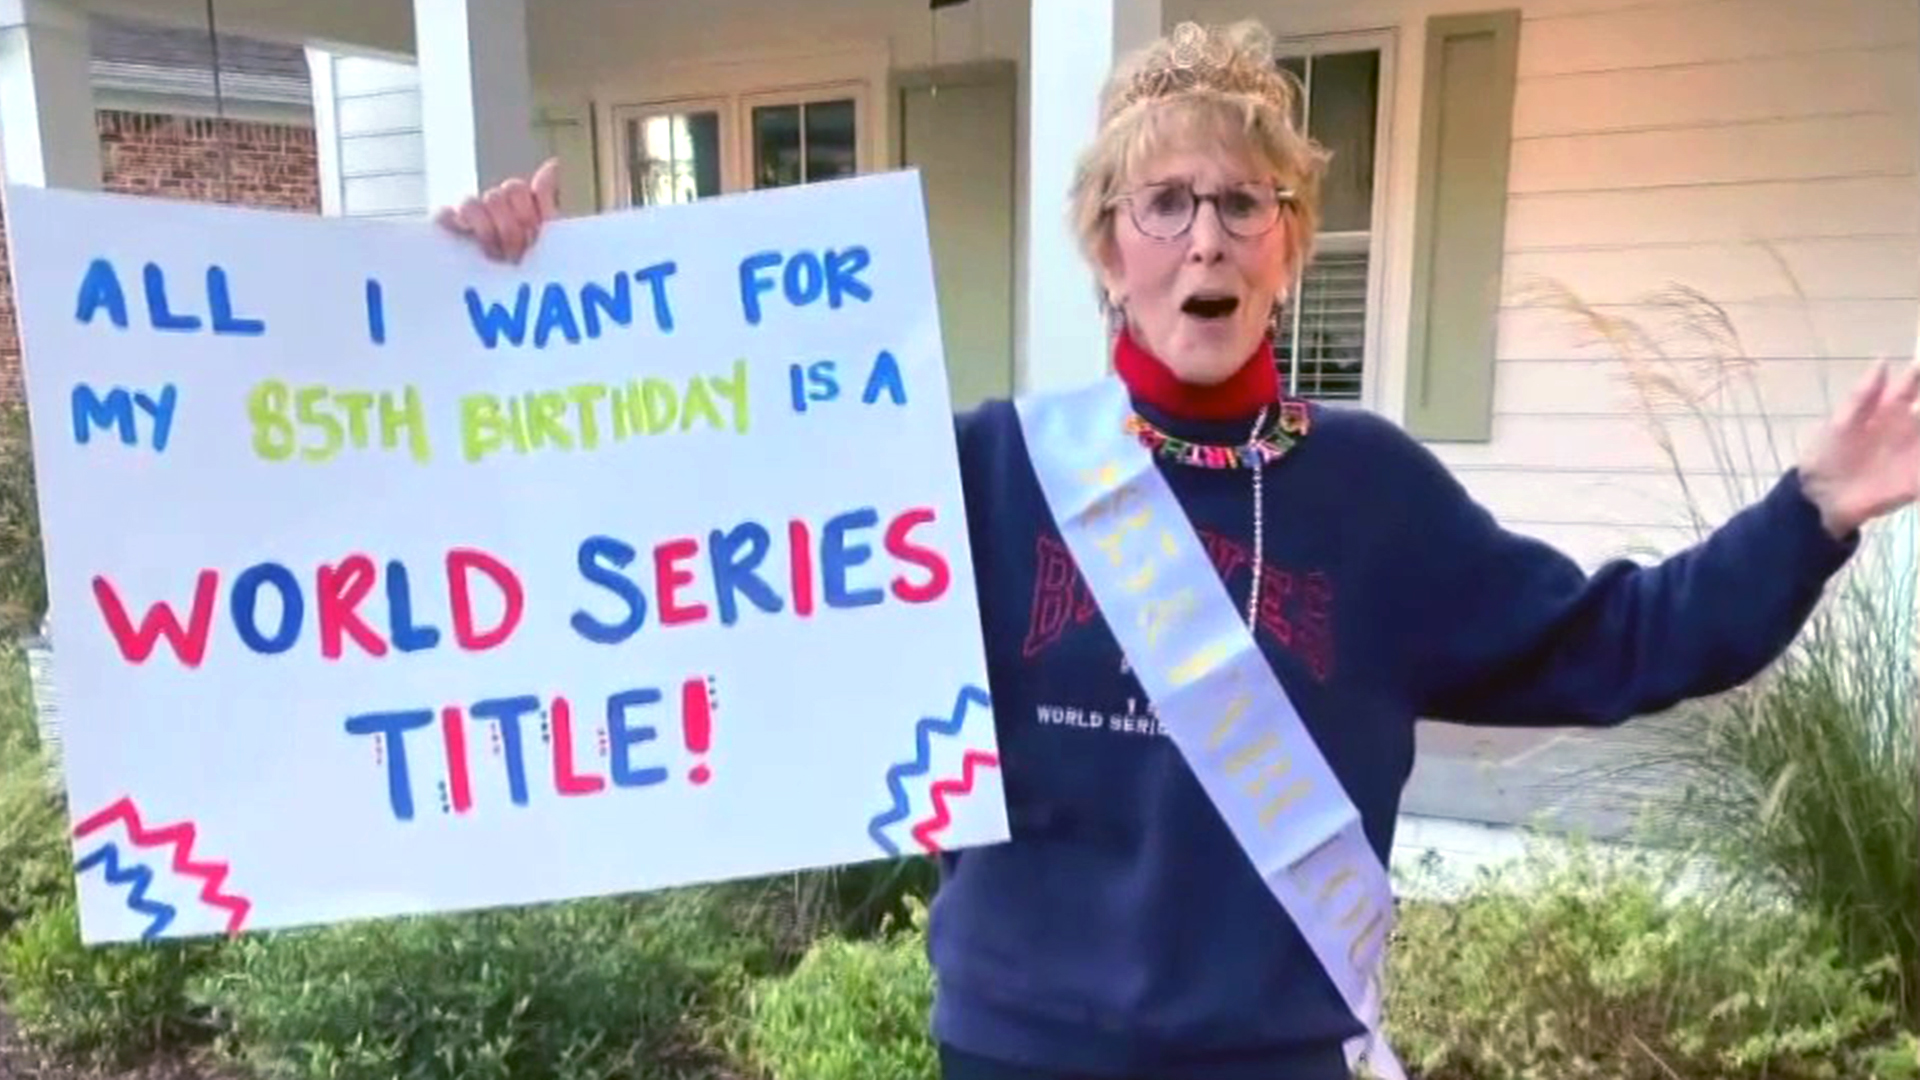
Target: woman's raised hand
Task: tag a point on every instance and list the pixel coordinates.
(506, 219)
(1865, 463)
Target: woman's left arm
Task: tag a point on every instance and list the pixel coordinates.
(1524, 636)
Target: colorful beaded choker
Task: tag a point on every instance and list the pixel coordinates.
(1262, 449)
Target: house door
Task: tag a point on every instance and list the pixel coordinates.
(957, 128)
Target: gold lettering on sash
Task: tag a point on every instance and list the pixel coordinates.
(1278, 763)
(1229, 719)
(1102, 476)
(1361, 944)
(1241, 759)
(1110, 543)
(1141, 579)
(1159, 616)
(1106, 505)
(1270, 774)
(1284, 801)
(1363, 906)
(1360, 907)
(1335, 883)
(1209, 656)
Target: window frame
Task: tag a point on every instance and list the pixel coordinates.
(808, 95)
(620, 116)
(1384, 41)
(735, 108)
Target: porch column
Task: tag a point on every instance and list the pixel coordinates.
(48, 136)
(1072, 45)
(476, 95)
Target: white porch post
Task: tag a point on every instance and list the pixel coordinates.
(476, 95)
(1071, 50)
(48, 136)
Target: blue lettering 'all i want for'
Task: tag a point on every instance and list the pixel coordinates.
(121, 410)
(101, 294)
(803, 278)
(557, 314)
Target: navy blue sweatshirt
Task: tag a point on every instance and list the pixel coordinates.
(1121, 932)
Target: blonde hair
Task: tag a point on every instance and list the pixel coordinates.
(1198, 82)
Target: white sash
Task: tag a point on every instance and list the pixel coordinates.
(1216, 695)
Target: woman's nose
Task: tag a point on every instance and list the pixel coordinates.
(1206, 239)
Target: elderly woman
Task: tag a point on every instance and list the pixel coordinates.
(1260, 596)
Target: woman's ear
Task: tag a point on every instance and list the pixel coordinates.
(1289, 250)
(1112, 273)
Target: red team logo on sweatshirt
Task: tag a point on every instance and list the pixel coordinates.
(1296, 610)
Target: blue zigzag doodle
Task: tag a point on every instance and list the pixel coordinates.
(924, 732)
(139, 877)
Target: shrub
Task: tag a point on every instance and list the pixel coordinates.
(19, 727)
(108, 1005)
(23, 574)
(1808, 779)
(856, 901)
(1580, 967)
(851, 1010)
(570, 991)
(1584, 966)
(35, 871)
(34, 855)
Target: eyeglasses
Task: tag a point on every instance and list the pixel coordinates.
(1166, 211)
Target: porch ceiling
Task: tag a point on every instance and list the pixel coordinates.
(570, 39)
(383, 25)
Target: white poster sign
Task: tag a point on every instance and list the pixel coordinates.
(385, 579)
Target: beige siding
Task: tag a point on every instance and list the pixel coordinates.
(1568, 386)
(1690, 32)
(1731, 272)
(382, 112)
(1767, 331)
(1606, 441)
(373, 161)
(398, 152)
(1847, 206)
(1761, 152)
(1817, 148)
(1774, 88)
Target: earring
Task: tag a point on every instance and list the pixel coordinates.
(1116, 316)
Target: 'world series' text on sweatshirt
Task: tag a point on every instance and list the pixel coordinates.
(1121, 932)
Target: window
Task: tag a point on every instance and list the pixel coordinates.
(681, 151)
(804, 142)
(1324, 335)
(672, 157)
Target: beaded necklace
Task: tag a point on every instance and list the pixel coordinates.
(1262, 448)
(1263, 445)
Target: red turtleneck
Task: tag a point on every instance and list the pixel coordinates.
(1257, 383)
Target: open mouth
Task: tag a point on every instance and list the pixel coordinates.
(1202, 306)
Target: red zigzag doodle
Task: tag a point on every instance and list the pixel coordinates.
(924, 832)
(180, 838)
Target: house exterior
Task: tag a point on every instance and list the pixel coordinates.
(1765, 153)
(161, 131)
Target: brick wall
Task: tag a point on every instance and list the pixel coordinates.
(269, 165)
